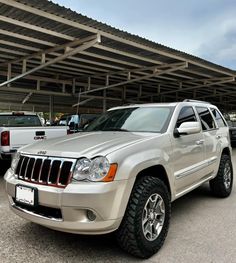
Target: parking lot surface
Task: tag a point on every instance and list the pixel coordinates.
(202, 229)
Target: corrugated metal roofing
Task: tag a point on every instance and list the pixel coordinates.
(29, 26)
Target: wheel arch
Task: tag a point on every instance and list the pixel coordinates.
(226, 151)
(157, 171)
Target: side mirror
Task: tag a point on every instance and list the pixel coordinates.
(187, 128)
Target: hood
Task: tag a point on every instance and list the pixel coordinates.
(88, 144)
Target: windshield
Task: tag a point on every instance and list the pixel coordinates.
(19, 121)
(139, 119)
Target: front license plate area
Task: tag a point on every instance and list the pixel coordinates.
(27, 195)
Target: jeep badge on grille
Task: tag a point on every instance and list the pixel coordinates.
(42, 152)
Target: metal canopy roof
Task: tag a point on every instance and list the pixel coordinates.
(47, 50)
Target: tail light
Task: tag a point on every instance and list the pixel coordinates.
(5, 138)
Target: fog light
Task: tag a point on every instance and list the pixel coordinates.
(90, 215)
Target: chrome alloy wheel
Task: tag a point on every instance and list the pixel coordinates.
(153, 217)
(227, 175)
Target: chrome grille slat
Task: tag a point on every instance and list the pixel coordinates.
(59, 172)
(26, 168)
(21, 164)
(33, 169)
(40, 170)
(50, 171)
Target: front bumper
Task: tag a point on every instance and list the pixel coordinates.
(106, 200)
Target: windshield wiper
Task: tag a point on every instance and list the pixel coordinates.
(115, 129)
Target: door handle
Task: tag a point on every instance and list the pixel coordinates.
(199, 142)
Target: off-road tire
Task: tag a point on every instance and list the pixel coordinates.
(217, 185)
(130, 235)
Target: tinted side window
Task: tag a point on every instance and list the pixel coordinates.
(206, 118)
(186, 115)
(219, 120)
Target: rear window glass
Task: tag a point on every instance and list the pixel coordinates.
(206, 118)
(219, 120)
(19, 121)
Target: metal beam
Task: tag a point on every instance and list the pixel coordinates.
(27, 97)
(53, 49)
(74, 51)
(46, 79)
(82, 102)
(174, 67)
(59, 94)
(201, 86)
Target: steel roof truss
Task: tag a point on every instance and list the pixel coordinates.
(84, 44)
(172, 67)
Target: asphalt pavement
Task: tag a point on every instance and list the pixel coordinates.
(202, 229)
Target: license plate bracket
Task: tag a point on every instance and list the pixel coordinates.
(26, 195)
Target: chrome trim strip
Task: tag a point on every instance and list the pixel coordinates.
(37, 215)
(49, 157)
(201, 165)
(185, 172)
(212, 160)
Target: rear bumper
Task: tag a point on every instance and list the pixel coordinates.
(106, 200)
(7, 155)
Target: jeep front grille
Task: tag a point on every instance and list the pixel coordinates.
(45, 170)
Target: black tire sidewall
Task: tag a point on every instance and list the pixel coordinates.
(150, 247)
(218, 183)
(228, 190)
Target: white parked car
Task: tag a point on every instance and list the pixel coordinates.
(123, 172)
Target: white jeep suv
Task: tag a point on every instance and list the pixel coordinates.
(122, 173)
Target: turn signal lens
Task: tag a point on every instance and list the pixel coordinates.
(111, 173)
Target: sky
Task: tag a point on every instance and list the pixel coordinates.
(204, 28)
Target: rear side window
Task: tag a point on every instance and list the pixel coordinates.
(186, 115)
(219, 120)
(207, 121)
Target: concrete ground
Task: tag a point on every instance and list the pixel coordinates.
(202, 229)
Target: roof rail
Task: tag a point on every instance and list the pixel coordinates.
(198, 101)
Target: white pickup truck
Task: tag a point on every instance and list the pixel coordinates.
(18, 129)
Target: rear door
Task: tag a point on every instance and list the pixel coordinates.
(211, 138)
(188, 153)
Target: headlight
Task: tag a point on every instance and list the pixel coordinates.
(14, 162)
(97, 169)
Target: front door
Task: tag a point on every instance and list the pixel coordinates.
(188, 153)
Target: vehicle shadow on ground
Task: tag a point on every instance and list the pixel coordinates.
(4, 165)
(68, 247)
